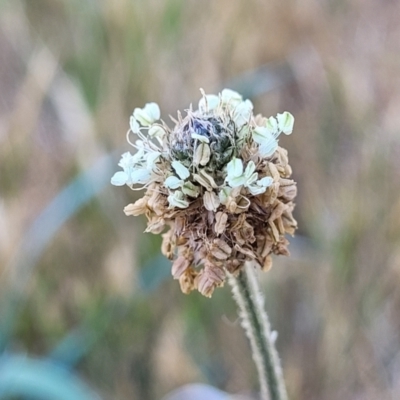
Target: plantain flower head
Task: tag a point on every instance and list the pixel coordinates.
(217, 184)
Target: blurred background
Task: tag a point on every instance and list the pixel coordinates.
(84, 290)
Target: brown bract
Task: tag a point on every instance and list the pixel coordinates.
(208, 239)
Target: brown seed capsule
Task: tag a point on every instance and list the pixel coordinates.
(267, 264)
(211, 201)
(208, 279)
(220, 249)
(221, 220)
(167, 246)
(155, 225)
(187, 281)
(137, 208)
(180, 265)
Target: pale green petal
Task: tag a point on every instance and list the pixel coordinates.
(237, 181)
(244, 132)
(265, 182)
(231, 97)
(224, 194)
(272, 125)
(138, 156)
(151, 159)
(250, 168)
(139, 144)
(177, 199)
(153, 110)
(119, 178)
(147, 115)
(285, 122)
(250, 180)
(268, 148)
(128, 161)
(242, 113)
(142, 117)
(172, 182)
(261, 135)
(157, 131)
(234, 168)
(180, 169)
(190, 190)
(141, 175)
(135, 128)
(201, 138)
(256, 190)
(209, 102)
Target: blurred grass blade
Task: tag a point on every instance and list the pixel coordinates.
(39, 379)
(67, 202)
(153, 273)
(262, 80)
(78, 342)
(75, 345)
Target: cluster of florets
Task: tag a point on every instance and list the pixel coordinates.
(218, 180)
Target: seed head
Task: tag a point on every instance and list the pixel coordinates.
(218, 180)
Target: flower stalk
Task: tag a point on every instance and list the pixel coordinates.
(247, 294)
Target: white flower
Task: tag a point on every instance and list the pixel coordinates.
(119, 178)
(147, 115)
(231, 97)
(208, 102)
(268, 148)
(141, 175)
(261, 134)
(151, 158)
(172, 182)
(285, 122)
(234, 168)
(136, 168)
(224, 194)
(272, 126)
(261, 185)
(236, 177)
(177, 199)
(132, 177)
(268, 144)
(157, 131)
(128, 163)
(242, 113)
(180, 169)
(135, 128)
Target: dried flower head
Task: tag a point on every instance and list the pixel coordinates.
(218, 180)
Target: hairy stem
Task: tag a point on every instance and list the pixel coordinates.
(246, 292)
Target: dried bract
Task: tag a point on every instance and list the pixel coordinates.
(218, 181)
